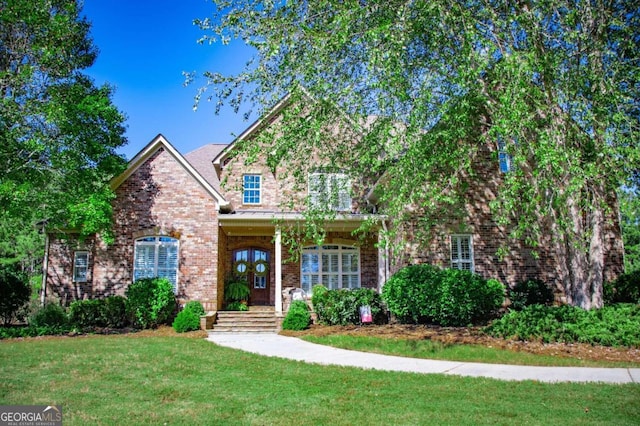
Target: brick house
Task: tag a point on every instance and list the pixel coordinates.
(174, 218)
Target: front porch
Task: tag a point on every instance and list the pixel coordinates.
(251, 245)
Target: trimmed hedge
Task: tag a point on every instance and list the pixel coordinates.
(109, 312)
(530, 292)
(423, 294)
(342, 307)
(625, 289)
(150, 302)
(189, 318)
(610, 326)
(298, 316)
(50, 315)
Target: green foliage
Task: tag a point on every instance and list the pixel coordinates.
(630, 224)
(298, 317)
(566, 109)
(615, 325)
(237, 306)
(530, 292)
(450, 297)
(50, 315)
(108, 312)
(342, 307)
(60, 133)
(186, 320)
(150, 302)
(14, 293)
(195, 307)
(625, 289)
(236, 289)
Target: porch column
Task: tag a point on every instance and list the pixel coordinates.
(383, 261)
(278, 262)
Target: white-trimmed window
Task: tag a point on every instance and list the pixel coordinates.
(80, 266)
(462, 252)
(156, 257)
(333, 266)
(330, 190)
(504, 158)
(251, 189)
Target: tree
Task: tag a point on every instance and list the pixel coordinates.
(556, 82)
(58, 131)
(630, 217)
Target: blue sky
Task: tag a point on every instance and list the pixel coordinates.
(144, 48)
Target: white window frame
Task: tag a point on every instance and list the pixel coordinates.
(458, 241)
(80, 269)
(314, 271)
(250, 190)
(150, 267)
(330, 190)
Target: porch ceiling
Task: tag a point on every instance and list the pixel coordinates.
(251, 223)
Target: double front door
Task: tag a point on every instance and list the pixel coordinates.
(253, 264)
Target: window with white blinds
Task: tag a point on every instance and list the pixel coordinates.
(330, 190)
(462, 252)
(80, 266)
(156, 257)
(333, 266)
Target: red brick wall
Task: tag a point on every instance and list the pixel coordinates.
(159, 198)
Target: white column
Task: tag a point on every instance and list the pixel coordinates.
(278, 262)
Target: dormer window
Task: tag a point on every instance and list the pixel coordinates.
(330, 190)
(252, 189)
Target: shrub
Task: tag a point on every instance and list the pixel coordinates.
(625, 289)
(186, 320)
(14, 294)
(342, 307)
(114, 311)
(530, 292)
(86, 313)
(150, 302)
(195, 307)
(50, 315)
(610, 326)
(298, 317)
(237, 306)
(450, 297)
(108, 312)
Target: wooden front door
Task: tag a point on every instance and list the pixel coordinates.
(254, 264)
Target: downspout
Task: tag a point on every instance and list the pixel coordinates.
(45, 269)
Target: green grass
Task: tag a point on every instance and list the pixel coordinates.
(179, 380)
(453, 352)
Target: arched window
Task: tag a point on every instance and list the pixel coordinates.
(334, 266)
(156, 257)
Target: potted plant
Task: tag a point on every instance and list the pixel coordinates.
(236, 290)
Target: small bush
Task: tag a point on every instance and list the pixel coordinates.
(195, 307)
(114, 312)
(625, 289)
(610, 326)
(342, 307)
(108, 312)
(50, 315)
(237, 306)
(14, 294)
(530, 292)
(298, 317)
(187, 320)
(426, 294)
(150, 302)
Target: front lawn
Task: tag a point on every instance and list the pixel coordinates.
(153, 379)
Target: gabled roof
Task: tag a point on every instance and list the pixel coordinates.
(159, 142)
(201, 159)
(253, 129)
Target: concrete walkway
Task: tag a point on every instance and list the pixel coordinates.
(275, 345)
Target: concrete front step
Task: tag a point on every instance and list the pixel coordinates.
(246, 322)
